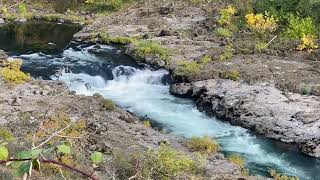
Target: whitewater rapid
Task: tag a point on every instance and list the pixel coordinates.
(146, 93)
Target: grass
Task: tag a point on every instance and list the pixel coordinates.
(108, 105)
(232, 75)
(11, 73)
(204, 145)
(143, 49)
(123, 40)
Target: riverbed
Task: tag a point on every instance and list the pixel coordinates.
(143, 90)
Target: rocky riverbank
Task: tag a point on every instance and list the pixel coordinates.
(25, 108)
(273, 93)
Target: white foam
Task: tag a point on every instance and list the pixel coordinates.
(143, 93)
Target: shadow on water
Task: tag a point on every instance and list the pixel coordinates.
(40, 36)
(45, 47)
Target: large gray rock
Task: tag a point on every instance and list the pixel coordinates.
(290, 118)
(1, 21)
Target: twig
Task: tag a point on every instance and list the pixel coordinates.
(51, 161)
(272, 40)
(53, 135)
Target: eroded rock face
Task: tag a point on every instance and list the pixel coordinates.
(288, 117)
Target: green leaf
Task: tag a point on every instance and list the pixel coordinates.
(29, 154)
(24, 168)
(64, 148)
(96, 157)
(4, 153)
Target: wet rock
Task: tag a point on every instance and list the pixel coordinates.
(181, 90)
(290, 118)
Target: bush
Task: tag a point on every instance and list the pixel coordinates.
(185, 68)
(167, 163)
(225, 18)
(227, 54)
(105, 5)
(236, 159)
(108, 105)
(142, 49)
(12, 73)
(146, 123)
(261, 46)
(232, 75)
(298, 27)
(106, 38)
(261, 23)
(308, 43)
(223, 32)
(281, 8)
(204, 145)
(22, 9)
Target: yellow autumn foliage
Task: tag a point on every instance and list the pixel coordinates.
(308, 42)
(261, 23)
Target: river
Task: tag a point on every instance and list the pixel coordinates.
(144, 91)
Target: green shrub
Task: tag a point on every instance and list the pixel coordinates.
(12, 73)
(281, 8)
(166, 163)
(261, 46)
(22, 9)
(225, 16)
(142, 49)
(298, 27)
(206, 59)
(108, 105)
(205, 145)
(106, 38)
(227, 54)
(185, 68)
(105, 5)
(237, 159)
(232, 75)
(223, 32)
(146, 123)
(6, 135)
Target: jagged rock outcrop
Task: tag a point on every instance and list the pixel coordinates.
(288, 117)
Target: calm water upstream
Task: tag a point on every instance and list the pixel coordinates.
(45, 47)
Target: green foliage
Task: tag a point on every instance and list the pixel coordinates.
(12, 73)
(6, 135)
(261, 46)
(205, 145)
(282, 8)
(305, 89)
(223, 32)
(298, 27)
(22, 9)
(64, 149)
(106, 5)
(227, 54)
(146, 123)
(4, 153)
(106, 38)
(232, 75)
(142, 49)
(225, 16)
(237, 159)
(108, 105)
(185, 68)
(278, 176)
(166, 163)
(96, 157)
